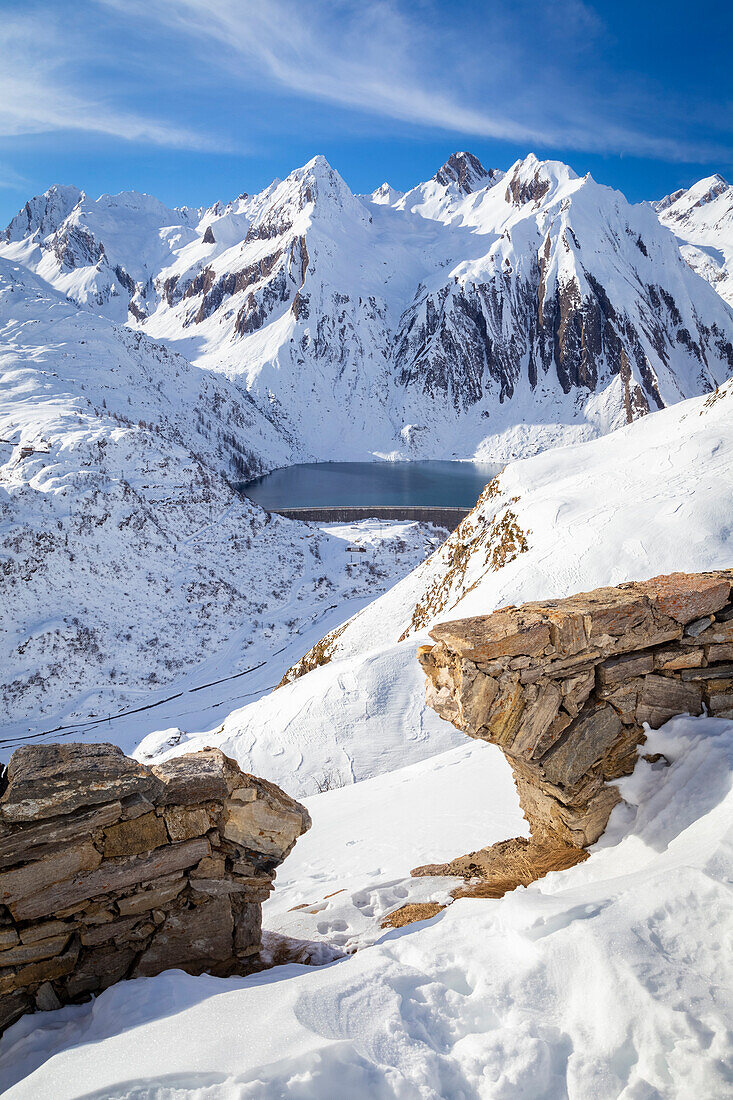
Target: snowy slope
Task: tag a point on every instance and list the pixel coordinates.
(482, 313)
(126, 558)
(609, 980)
(653, 497)
(343, 723)
(701, 217)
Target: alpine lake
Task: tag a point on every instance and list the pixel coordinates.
(371, 484)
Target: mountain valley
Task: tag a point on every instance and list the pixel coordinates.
(152, 360)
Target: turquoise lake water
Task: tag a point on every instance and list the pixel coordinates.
(358, 484)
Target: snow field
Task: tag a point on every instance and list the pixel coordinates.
(611, 980)
(341, 723)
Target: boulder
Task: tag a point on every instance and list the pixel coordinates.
(197, 777)
(35, 878)
(109, 869)
(184, 822)
(509, 633)
(139, 834)
(110, 877)
(196, 938)
(50, 780)
(688, 596)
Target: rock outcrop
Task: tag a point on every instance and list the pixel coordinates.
(110, 869)
(564, 688)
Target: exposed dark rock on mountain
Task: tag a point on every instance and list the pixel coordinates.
(467, 171)
(476, 302)
(44, 213)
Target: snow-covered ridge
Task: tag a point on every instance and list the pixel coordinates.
(482, 313)
(701, 217)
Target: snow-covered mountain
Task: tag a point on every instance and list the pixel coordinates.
(103, 253)
(701, 217)
(126, 559)
(438, 198)
(385, 195)
(478, 313)
(482, 313)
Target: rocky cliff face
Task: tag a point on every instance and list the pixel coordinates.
(577, 294)
(565, 687)
(474, 303)
(111, 870)
(41, 216)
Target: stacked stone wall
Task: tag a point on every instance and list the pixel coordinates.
(565, 687)
(111, 870)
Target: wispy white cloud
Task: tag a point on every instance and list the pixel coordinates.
(365, 56)
(412, 65)
(43, 88)
(521, 72)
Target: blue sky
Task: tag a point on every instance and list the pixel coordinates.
(194, 100)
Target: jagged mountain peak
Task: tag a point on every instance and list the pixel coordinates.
(530, 180)
(715, 185)
(316, 165)
(315, 189)
(439, 198)
(467, 172)
(44, 212)
(663, 204)
(701, 217)
(699, 194)
(539, 297)
(385, 195)
(317, 171)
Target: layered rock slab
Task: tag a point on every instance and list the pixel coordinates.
(565, 687)
(110, 869)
